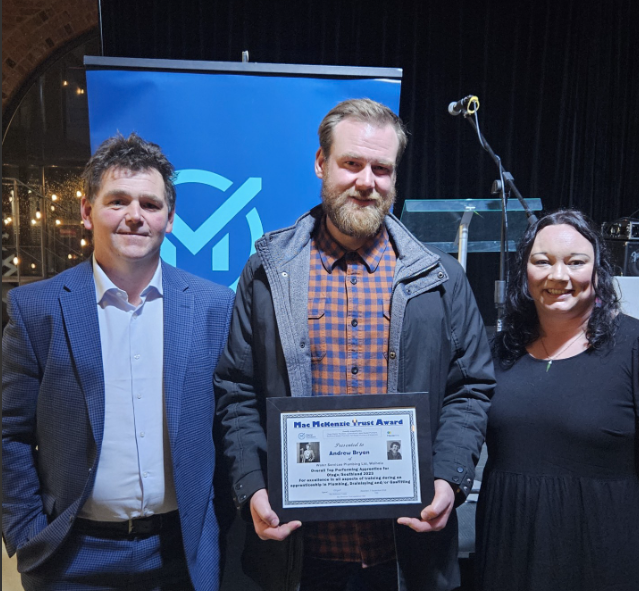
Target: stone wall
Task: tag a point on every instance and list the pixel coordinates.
(33, 30)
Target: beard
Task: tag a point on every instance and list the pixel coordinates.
(352, 219)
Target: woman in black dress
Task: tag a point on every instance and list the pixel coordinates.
(559, 504)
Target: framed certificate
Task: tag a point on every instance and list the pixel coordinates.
(349, 457)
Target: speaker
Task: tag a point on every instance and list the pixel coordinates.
(625, 257)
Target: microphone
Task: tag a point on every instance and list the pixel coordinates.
(455, 108)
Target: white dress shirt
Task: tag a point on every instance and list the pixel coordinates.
(134, 475)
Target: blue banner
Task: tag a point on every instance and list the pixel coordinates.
(243, 145)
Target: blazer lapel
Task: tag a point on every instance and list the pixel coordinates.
(178, 330)
(80, 317)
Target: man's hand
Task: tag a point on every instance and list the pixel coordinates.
(266, 522)
(435, 516)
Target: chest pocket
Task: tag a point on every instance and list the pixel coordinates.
(317, 328)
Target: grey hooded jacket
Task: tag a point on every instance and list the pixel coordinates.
(437, 345)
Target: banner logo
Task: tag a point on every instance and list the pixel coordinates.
(217, 227)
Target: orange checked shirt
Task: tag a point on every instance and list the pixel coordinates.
(349, 297)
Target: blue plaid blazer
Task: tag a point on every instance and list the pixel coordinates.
(53, 410)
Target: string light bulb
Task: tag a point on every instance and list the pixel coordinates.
(83, 242)
(54, 197)
(57, 222)
(38, 213)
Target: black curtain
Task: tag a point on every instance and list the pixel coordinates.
(558, 83)
(558, 80)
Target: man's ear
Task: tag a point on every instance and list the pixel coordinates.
(169, 225)
(320, 160)
(85, 210)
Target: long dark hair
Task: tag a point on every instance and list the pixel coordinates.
(521, 324)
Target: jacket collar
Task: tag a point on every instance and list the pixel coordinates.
(412, 256)
(79, 309)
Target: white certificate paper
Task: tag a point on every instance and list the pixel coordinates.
(349, 457)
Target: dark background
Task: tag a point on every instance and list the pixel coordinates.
(557, 80)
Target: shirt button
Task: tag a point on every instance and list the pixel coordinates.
(353, 280)
(353, 322)
(392, 355)
(354, 370)
(136, 357)
(460, 469)
(139, 395)
(145, 474)
(141, 433)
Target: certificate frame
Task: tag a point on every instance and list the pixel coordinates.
(336, 411)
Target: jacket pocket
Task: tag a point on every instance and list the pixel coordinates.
(48, 502)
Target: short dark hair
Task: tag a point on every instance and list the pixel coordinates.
(365, 110)
(132, 153)
(521, 324)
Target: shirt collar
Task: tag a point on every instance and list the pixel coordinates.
(104, 285)
(331, 252)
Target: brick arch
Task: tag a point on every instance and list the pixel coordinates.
(33, 31)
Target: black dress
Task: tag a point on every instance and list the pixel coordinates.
(559, 503)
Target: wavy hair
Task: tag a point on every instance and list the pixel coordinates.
(521, 324)
(131, 153)
(366, 111)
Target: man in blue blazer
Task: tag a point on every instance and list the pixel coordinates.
(107, 427)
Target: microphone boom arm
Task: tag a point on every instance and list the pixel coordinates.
(507, 177)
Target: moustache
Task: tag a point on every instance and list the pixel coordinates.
(362, 195)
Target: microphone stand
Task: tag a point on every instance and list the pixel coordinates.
(503, 186)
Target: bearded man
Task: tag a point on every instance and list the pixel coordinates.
(347, 301)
